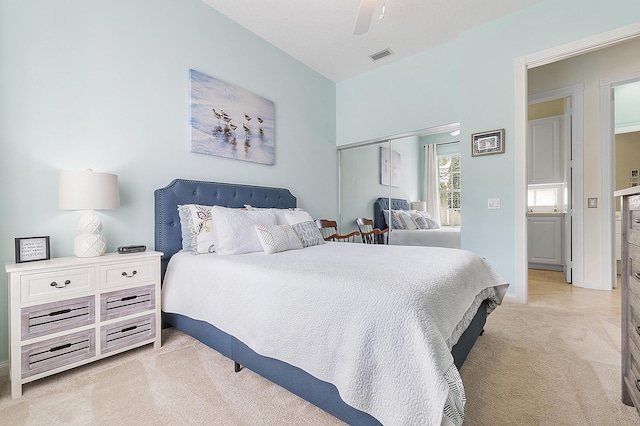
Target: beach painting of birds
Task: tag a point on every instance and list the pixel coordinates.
(229, 121)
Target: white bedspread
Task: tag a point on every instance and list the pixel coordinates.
(441, 237)
(376, 321)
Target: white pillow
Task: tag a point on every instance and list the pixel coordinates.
(280, 213)
(198, 229)
(295, 217)
(424, 214)
(236, 231)
(277, 238)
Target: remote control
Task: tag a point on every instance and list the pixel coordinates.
(131, 249)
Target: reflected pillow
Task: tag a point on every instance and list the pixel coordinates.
(404, 219)
(420, 221)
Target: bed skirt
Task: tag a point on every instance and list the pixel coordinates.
(320, 393)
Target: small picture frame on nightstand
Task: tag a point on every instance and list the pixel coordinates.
(29, 249)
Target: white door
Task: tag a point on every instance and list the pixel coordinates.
(568, 178)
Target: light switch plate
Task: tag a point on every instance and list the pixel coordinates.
(592, 203)
(494, 203)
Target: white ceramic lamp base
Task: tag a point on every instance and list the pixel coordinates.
(90, 242)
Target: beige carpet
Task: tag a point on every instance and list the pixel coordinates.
(555, 361)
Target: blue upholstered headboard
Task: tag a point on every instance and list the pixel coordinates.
(383, 204)
(168, 235)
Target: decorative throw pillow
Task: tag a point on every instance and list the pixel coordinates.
(277, 238)
(392, 221)
(308, 233)
(404, 218)
(430, 221)
(420, 221)
(198, 229)
(433, 224)
(235, 227)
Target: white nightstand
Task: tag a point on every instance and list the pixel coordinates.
(71, 311)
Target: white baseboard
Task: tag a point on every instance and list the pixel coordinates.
(4, 368)
(510, 298)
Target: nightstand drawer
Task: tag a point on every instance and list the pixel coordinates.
(127, 273)
(126, 333)
(56, 285)
(53, 353)
(635, 219)
(52, 317)
(126, 302)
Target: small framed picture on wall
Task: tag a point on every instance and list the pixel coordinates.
(485, 143)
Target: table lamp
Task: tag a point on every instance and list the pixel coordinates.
(419, 205)
(88, 190)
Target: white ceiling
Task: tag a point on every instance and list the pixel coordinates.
(320, 33)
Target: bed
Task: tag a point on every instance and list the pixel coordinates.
(440, 237)
(241, 322)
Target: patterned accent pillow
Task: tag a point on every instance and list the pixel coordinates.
(430, 221)
(392, 220)
(198, 229)
(420, 221)
(308, 233)
(404, 220)
(277, 238)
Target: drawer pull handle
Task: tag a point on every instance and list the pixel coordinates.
(66, 311)
(636, 275)
(637, 220)
(124, 330)
(56, 285)
(57, 348)
(124, 299)
(124, 274)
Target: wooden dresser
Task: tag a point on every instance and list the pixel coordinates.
(630, 273)
(70, 311)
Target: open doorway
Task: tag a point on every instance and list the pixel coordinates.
(620, 123)
(588, 265)
(549, 179)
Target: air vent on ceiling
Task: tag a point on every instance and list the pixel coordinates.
(382, 54)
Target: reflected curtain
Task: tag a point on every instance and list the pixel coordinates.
(431, 181)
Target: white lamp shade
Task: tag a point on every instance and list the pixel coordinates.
(88, 190)
(419, 205)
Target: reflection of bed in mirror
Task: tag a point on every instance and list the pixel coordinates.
(252, 308)
(448, 237)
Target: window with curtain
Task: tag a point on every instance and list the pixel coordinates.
(449, 174)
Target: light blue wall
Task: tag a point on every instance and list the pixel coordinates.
(105, 85)
(471, 80)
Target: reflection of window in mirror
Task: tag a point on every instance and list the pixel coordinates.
(449, 178)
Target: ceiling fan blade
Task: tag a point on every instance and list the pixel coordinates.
(364, 16)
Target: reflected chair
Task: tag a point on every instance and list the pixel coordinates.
(329, 231)
(369, 234)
